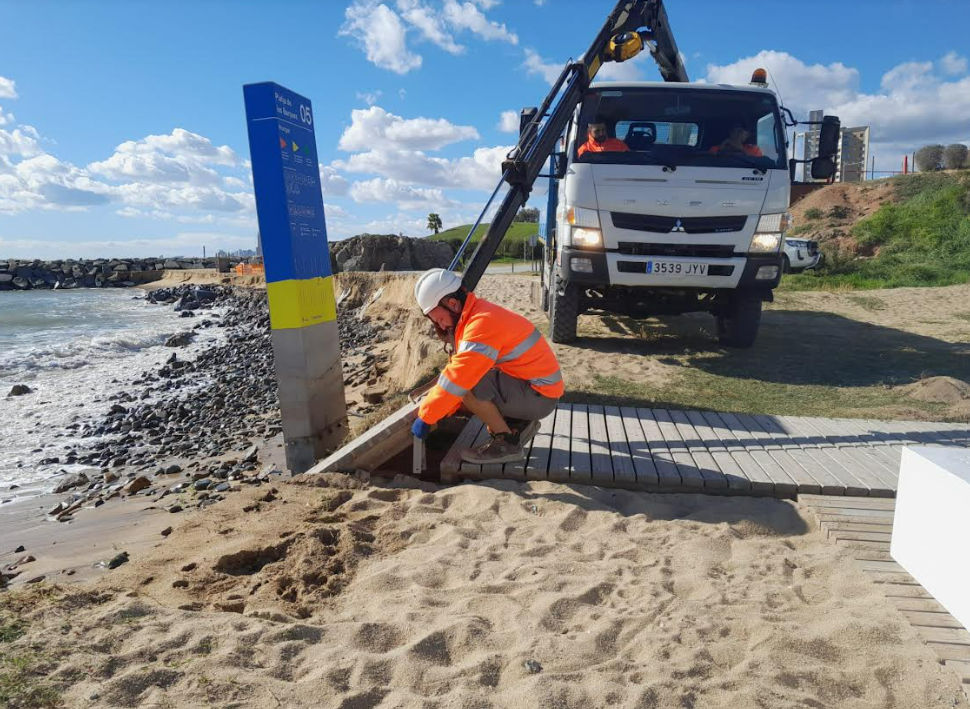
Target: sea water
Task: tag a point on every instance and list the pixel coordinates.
(72, 347)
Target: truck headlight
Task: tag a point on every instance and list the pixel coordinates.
(587, 238)
(773, 222)
(765, 243)
(580, 216)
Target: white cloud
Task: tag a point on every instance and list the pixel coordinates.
(369, 97)
(486, 4)
(623, 71)
(8, 88)
(954, 64)
(804, 87)
(19, 142)
(332, 183)
(181, 156)
(403, 195)
(374, 127)
(429, 24)
(6, 118)
(468, 16)
(535, 64)
(381, 34)
(402, 94)
(508, 122)
(480, 171)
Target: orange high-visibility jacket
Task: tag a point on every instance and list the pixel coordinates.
(490, 336)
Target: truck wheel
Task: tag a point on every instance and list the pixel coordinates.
(564, 312)
(738, 327)
(786, 266)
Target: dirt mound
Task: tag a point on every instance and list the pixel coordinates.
(940, 390)
(835, 210)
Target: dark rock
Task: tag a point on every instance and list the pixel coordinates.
(19, 549)
(187, 314)
(202, 484)
(223, 487)
(173, 469)
(118, 560)
(180, 339)
(19, 390)
(71, 483)
(175, 508)
(165, 532)
(533, 667)
(137, 485)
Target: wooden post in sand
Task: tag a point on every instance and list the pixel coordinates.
(299, 283)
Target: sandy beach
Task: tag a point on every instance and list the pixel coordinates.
(328, 592)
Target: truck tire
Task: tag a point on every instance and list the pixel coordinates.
(564, 312)
(786, 266)
(738, 327)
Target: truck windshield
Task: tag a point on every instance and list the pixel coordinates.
(680, 127)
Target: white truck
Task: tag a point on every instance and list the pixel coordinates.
(664, 197)
(682, 209)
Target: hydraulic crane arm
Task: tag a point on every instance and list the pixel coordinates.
(632, 26)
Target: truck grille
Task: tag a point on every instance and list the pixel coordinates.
(691, 225)
(632, 248)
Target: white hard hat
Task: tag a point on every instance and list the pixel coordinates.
(434, 285)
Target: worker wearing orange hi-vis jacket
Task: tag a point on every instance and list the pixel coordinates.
(502, 369)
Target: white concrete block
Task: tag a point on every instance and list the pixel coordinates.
(931, 529)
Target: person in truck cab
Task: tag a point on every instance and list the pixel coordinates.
(598, 140)
(737, 142)
(502, 369)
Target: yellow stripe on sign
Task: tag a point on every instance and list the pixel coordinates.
(300, 303)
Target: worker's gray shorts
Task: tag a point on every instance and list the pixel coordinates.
(515, 398)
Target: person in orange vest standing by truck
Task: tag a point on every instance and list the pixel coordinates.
(502, 369)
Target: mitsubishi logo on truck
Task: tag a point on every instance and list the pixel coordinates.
(677, 227)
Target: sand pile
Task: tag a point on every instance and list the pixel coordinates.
(489, 595)
(954, 393)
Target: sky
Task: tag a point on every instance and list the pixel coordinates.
(123, 133)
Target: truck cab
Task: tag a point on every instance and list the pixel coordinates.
(668, 198)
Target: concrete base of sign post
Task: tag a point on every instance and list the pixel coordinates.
(374, 447)
(312, 404)
(931, 525)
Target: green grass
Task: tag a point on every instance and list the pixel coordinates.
(511, 247)
(922, 239)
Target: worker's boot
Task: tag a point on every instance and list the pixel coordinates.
(500, 448)
(526, 430)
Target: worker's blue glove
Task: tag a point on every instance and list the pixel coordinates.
(420, 429)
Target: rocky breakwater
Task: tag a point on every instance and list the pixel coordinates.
(95, 273)
(376, 252)
(196, 428)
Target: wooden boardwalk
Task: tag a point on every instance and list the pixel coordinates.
(701, 451)
(864, 526)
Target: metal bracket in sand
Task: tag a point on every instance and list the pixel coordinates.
(374, 447)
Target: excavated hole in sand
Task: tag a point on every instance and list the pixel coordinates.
(249, 561)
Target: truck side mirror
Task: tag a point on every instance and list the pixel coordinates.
(822, 168)
(829, 136)
(559, 165)
(792, 164)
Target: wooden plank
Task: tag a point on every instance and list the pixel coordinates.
(667, 473)
(828, 483)
(561, 440)
(885, 520)
(804, 480)
(764, 439)
(601, 463)
(580, 462)
(624, 472)
(727, 437)
(735, 477)
(875, 468)
(643, 464)
(451, 463)
(962, 668)
(855, 502)
(854, 527)
(798, 434)
(951, 636)
(470, 470)
(711, 473)
(881, 567)
(784, 485)
(905, 590)
(690, 474)
(868, 546)
(873, 515)
(949, 652)
(918, 605)
(708, 438)
(932, 620)
(537, 465)
(861, 536)
(901, 432)
(862, 431)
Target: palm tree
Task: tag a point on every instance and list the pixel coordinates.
(434, 222)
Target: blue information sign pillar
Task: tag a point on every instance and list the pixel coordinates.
(299, 283)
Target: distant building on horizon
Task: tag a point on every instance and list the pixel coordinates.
(852, 158)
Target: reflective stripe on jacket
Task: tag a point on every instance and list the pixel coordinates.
(488, 336)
